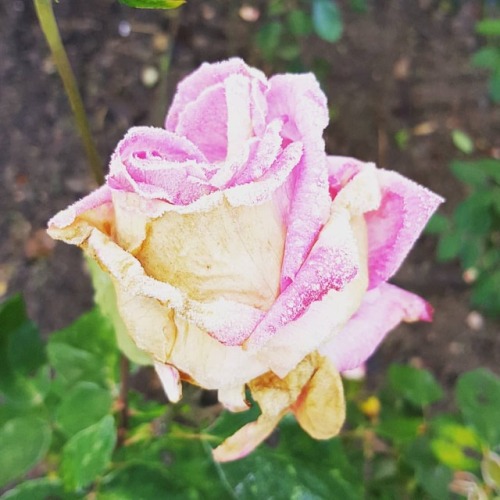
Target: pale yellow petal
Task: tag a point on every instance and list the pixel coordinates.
(230, 253)
(320, 409)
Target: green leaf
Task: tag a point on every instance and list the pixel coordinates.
(105, 298)
(153, 4)
(327, 20)
(487, 57)
(276, 7)
(462, 141)
(22, 355)
(359, 5)
(35, 489)
(490, 467)
(84, 405)
(494, 86)
(485, 294)
(299, 23)
(87, 454)
(452, 455)
(488, 27)
(73, 364)
(138, 482)
(477, 173)
(473, 215)
(289, 52)
(437, 224)
(24, 441)
(449, 246)
(401, 429)
(417, 386)
(478, 398)
(268, 38)
(434, 478)
(402, 138)
(85, 350)
(290, 469)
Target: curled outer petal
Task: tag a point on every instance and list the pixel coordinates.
(383, 308)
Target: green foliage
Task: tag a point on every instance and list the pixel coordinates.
(15, 460)
(87, 454)
(462, 141)
(327, 20)
(65, 438)
(489, 57)
(153, 4)
(417, 386)
(472, 234)
(289, 24)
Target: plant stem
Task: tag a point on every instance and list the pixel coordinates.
(123, 399)
(48, 23)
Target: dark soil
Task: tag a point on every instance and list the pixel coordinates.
(402, 65)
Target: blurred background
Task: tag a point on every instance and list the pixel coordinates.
(411, 85)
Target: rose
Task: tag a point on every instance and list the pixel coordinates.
(242, 255)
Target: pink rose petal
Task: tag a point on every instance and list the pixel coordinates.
(96, 199)
(395, 226)
(300, 103)
(157, 164)
(383, 308)
(332, 263)
(205, 76)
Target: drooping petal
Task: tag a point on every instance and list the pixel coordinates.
(300, 103)
(275, 397)
(170, 380)
(394, 227)
(312, 390)
(320, 408)
(383, 308)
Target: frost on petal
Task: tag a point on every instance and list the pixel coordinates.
(209, 363)
(331, 265)
(96, 208)
(264, 188)
(334, 261)
(157, 164)
(395, 226)
(227, 321)
(383, 308)
(205, 76)
(205, 123)
(300, 103)
(170, 380)
(320, 408)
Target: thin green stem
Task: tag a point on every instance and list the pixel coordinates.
(48, 23)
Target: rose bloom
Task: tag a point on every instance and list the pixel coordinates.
(243, 256)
